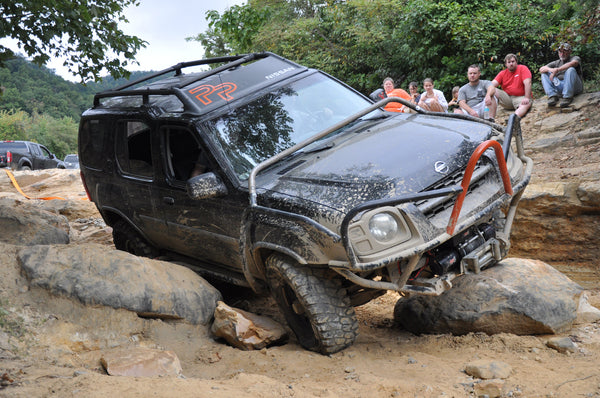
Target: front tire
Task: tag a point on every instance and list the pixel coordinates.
(314, 304)
(127, 239)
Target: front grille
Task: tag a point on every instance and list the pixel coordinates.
(432, 207)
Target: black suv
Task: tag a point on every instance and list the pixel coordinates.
(27, 155)
(268, 174)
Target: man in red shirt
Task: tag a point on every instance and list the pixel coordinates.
(515, 81)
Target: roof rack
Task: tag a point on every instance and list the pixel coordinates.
(232, 61)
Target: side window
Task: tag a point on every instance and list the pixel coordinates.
(45, 152)
(185, 157)
(133, 149)
(35, 150)
(92, 135)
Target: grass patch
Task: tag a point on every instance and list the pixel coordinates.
(11, 323)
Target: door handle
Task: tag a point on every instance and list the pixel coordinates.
(168, 200)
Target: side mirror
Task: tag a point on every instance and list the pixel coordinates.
(378, 95)
(207, 185)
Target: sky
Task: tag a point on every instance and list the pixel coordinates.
(164, 25)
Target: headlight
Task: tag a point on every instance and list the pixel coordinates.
(383, 227)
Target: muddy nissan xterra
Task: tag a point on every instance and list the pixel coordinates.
(271, 175)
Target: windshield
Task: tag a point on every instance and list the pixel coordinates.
(282, 118)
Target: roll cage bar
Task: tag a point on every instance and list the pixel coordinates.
(458, 190)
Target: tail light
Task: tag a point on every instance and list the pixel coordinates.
(8, 157)
(85, 186)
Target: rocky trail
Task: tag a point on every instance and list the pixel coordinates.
(55, 346)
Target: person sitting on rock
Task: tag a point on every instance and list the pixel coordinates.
(432, 99)
(391, 91)
(515, 81)
(473, 97)
(562, 77)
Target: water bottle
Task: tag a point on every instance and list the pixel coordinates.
(486, 113)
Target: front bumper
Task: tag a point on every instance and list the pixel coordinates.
(490, 252)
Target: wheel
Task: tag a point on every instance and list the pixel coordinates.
(314, 304)
(25, 168)
(126, 238)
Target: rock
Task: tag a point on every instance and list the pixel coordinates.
(95, 274)
(589, 194)
(555, 217)
(484, 369)
(517, 296)
(24, 224)
(586, 313)
(245, 330)
(141, 362)
(562, 344)
(489, 388)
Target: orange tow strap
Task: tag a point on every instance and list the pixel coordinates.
(14, 181)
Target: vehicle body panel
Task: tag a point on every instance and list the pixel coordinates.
(313, 204)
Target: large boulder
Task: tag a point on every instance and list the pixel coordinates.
(95, 274)
(22, 223)
(518, 296)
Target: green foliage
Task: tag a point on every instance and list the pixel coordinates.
(13, 125)
(59, 135)
(86, 32)
(36, 105)
(232, 32)
(32, 89)
(10, 323)
(363, 41)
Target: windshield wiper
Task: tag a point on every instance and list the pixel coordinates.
(319, 148)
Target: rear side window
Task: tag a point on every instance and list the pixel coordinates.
(13, 146)
(133, 149)
(92, 134)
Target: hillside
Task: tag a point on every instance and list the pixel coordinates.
(30, 88)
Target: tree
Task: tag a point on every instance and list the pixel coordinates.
(363, 41)
(86, 32)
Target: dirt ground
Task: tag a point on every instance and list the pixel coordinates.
(56, 344)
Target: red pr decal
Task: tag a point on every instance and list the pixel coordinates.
(202, 92)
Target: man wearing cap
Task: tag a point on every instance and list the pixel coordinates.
(515, 81)
(562, 77)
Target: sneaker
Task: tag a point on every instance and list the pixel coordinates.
(566, 102)
(552, 100)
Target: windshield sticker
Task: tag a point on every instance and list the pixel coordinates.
(223, 90)
(279, 73)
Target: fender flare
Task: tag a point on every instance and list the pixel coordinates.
(258, 229)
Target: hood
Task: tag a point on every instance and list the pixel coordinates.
(391, 159)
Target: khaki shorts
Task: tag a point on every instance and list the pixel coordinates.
(479, 108)
(507, 101)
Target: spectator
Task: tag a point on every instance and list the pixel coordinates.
(473, 97)
(390, 91)
(453, 104)
(413, 90)
(432, 99)
(515, 81)
(562, 77)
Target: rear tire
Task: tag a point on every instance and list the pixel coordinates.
(127, 239)
(314, 303)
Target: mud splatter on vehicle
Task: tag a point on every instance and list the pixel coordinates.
(268, 174)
